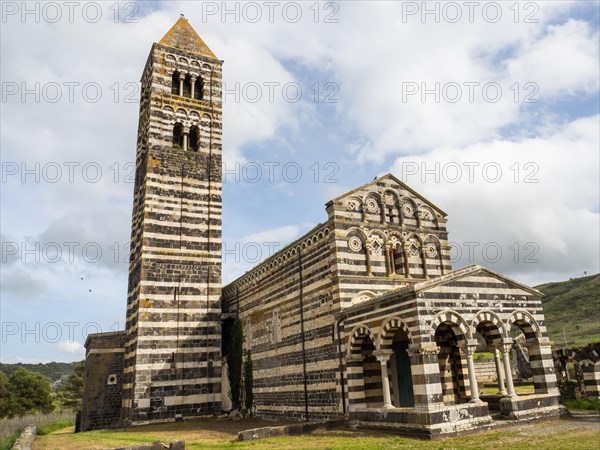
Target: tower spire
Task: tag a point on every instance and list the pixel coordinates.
(183, 37)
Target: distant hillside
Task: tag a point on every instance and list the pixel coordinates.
(575, 306)
(53, 371)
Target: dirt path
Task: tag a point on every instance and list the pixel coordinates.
(555, 427)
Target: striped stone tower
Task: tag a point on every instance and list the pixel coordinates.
(172, 365)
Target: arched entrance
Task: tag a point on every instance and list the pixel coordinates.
(365, 388)
(453, 370)
(395, 339)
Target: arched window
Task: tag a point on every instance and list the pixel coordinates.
(199, 88)
(194, 138)
(178, 135)
(187, 86)
(175, 83)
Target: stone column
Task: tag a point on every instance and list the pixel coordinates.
(499, 375)
(368, 257)
(186, 134)
(388, 263)
(193, 80)
(424, 260)
(181, 80)
(392, 262)
(405, 256)
(469, 349)
(506, 346)
(383, 357)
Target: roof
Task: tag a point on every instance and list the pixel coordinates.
(183, 37)
(389, 176)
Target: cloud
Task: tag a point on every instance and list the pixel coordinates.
(563, 62)
(71, 347)
(281, 234)
(534, 199)
(21, 284)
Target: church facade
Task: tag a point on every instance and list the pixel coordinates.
(363, 317)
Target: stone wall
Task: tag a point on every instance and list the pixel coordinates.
(285, 306)
(486, 372)
(586, 362)
(103, 381)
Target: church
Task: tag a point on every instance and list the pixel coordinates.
(362, 318)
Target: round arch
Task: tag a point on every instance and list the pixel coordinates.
(455, 320)
(356, 336)
(526, 322)
(389, 328)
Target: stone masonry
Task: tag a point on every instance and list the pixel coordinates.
(363, 317)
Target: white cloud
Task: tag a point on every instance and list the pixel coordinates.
(71, 347)
(284, 234)
(545, 199)
(21, 284)
(562, 62)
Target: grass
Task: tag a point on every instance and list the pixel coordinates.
(213, 434)
(7, 443)
(54, 426)
(583, 404)
(483, 355)
(526, 389)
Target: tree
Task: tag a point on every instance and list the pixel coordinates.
(6, 396)
(248, 382)
(30, 392)
(234, 363)
(70, 393)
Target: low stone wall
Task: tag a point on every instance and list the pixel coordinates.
(486, 372)
(296, 428)
(157, 445)
(420, 422)
(530, 406)
(25, 441)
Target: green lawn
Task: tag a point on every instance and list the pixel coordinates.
(526, 389)
(213, 434)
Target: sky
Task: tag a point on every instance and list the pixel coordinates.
(488, 109)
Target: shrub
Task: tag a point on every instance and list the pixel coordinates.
(248, 382)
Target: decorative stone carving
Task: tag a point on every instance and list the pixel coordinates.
(372, 205)
(431, 251)
(355, 244)
(408, 210)
(376, 245)
(413, 250)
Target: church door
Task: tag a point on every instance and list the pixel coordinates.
(405, 385)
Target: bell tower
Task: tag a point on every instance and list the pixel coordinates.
(172, 360)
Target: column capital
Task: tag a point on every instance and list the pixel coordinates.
(354, 357)
(382, 355)
(506, 344)
(186, 129)
(471, 345)
(427, 348)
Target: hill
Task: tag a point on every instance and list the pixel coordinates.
(574, 306)
(53, 371)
